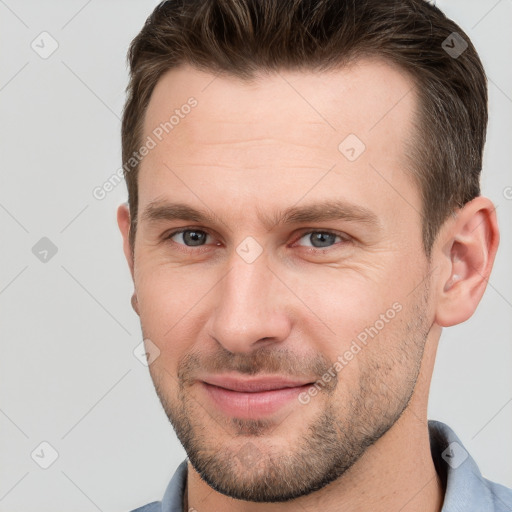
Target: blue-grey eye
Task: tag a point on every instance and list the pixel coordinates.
(190, 237)
(320, 239)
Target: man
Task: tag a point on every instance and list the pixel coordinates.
(304, 218)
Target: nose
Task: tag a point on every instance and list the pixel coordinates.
(251, 307)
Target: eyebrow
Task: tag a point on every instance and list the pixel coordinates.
(327, 210)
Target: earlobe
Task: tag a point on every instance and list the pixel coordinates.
(135, 303)
(469, 242)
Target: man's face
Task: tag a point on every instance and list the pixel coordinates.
(254, 291)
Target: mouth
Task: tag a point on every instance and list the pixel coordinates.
(252, 398)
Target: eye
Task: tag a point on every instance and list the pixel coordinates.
(189, 237)
(321, 239)
(313, 239)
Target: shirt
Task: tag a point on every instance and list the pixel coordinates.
(466, 490)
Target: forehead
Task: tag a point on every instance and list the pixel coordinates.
(288, 125)
(367, 97)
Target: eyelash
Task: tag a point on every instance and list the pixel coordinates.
(201, 248)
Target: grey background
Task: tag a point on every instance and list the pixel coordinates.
(68, 373)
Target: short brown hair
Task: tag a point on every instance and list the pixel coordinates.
(241, 37)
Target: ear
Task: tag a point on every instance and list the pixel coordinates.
(466, 250)
(123, 221)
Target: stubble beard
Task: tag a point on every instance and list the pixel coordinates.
(251, 467)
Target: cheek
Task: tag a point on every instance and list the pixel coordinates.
(346, 300)
(166, 298)
(352, 316)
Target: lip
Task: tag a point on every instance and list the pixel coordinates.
(254, 385)
(252, 398)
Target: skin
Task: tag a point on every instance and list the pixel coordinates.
(247, 151)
